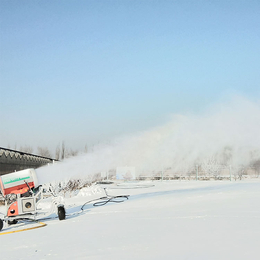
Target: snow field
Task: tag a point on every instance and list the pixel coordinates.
(161, 220)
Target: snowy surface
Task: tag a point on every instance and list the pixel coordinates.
(161, 220)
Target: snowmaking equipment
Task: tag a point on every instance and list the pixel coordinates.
(22, 194)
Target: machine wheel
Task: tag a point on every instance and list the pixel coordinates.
(61, 213)
(12, 222)
(1, 224)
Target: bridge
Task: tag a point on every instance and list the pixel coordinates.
(12, 160)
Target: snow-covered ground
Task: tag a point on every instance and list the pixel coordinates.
(161, 220)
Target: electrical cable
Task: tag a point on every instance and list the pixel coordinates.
(99, 202)
(106, 199)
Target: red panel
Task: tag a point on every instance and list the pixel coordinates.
(19, 189)
(13, 209)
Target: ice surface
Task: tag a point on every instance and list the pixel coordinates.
(161, 220)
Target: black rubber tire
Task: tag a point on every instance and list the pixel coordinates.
(12, 222)
(1, 224)
(61, 213)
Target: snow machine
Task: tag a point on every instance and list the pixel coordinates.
(22, 194)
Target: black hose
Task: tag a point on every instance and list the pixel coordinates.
(107, 199)
(104, 200)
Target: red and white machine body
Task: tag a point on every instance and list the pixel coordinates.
(22, 194)
(21, 184)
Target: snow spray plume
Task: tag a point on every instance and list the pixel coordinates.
(227, 134)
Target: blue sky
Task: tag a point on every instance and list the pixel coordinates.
(87, 71)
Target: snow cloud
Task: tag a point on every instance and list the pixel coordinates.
(229, 132)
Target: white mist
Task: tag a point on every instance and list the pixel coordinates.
(229, 132)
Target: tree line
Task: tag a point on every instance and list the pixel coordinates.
(61, 151)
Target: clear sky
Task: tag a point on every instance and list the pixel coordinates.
(87, 71)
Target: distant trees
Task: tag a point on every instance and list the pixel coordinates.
(71, 153)
(61, 152)
(211, 166)
(44, 151)
(26, 149)
(57, 152)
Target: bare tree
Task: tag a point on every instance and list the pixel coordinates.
(256, 166)
(26, 149)
(57, 152)
(63, 150)
(71, 153)
(211, 166)
(44, 151)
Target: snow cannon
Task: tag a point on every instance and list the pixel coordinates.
(22, 195)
